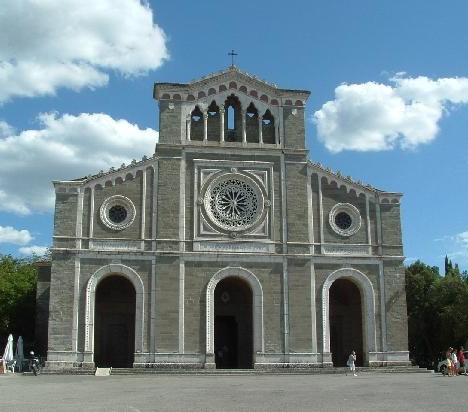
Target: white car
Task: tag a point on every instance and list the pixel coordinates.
(442, 365)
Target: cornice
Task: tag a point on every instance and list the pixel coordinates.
(358, 186)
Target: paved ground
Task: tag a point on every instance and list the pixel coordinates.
(366, 392)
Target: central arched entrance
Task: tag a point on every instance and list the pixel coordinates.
(114, 333)
(233, 324)
(346, 331)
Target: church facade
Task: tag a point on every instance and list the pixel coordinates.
(227, 248)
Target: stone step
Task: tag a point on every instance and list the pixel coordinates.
(301, 371)
(236, 372)
(103, 372)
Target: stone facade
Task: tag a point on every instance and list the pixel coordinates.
(228, 225)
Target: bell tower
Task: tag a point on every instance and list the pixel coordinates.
(231, 108)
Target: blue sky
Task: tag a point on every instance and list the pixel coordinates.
(389, 102)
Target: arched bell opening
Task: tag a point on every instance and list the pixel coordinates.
(346, 322)
(196, 124)
(268, 128)
(233, 119)
(233, 324)
(213, 122)
(114, 324)
(251, 124)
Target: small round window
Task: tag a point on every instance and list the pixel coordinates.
(117, 212)
(345, 219)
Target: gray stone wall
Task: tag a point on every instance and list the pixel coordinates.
(315, 208)
(294, 127)
(167, 305)
(131, 188)
(170, 121)
(42, 306)
(391, 229)
(168, 203)
(61, 307)
(271, 278)
(331, 195)
(297, 206)
(149, 203)
(300, 308)
(65, 214)
(395, 300)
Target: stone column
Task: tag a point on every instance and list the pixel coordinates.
(260, 134)
(189, 122)
(244, 132)
(205, 127)
(221, 122)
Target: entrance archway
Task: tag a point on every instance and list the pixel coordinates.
(346, 331)
(233, 324)
(114, 327)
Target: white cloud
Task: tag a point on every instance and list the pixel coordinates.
(9, 234)
(33, 250)
(373, 116)
(66, 147)
(5, 129)
(456, 247)
(50, 44)
(462, 239)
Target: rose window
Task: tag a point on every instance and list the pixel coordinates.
(234, 202)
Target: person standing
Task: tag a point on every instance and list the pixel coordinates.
(352, 363)
(455, 364)
(461, 359)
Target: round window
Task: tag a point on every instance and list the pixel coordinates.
(344, 219)
(234, 202)
(117, 212)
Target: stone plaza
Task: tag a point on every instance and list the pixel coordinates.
(217, 392)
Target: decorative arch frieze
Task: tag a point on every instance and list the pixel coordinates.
(367, 301)
(257, 306)
(100, 274)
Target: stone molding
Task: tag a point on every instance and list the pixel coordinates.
(257, 175)
(367, 301)
(100, 274)
(347, 250)
(117, 200)
(257, 306)
(352, 212)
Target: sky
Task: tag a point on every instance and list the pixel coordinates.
(388, 104)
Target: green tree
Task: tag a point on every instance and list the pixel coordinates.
(437, 310)
(18, 278)
(421, 282)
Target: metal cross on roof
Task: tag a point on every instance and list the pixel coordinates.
(232, 54)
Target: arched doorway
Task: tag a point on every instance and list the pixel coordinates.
(114, 333)
(233, 324)
(346, 331)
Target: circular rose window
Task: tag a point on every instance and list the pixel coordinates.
(117, 212)
(234, 202)
(345, 219)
